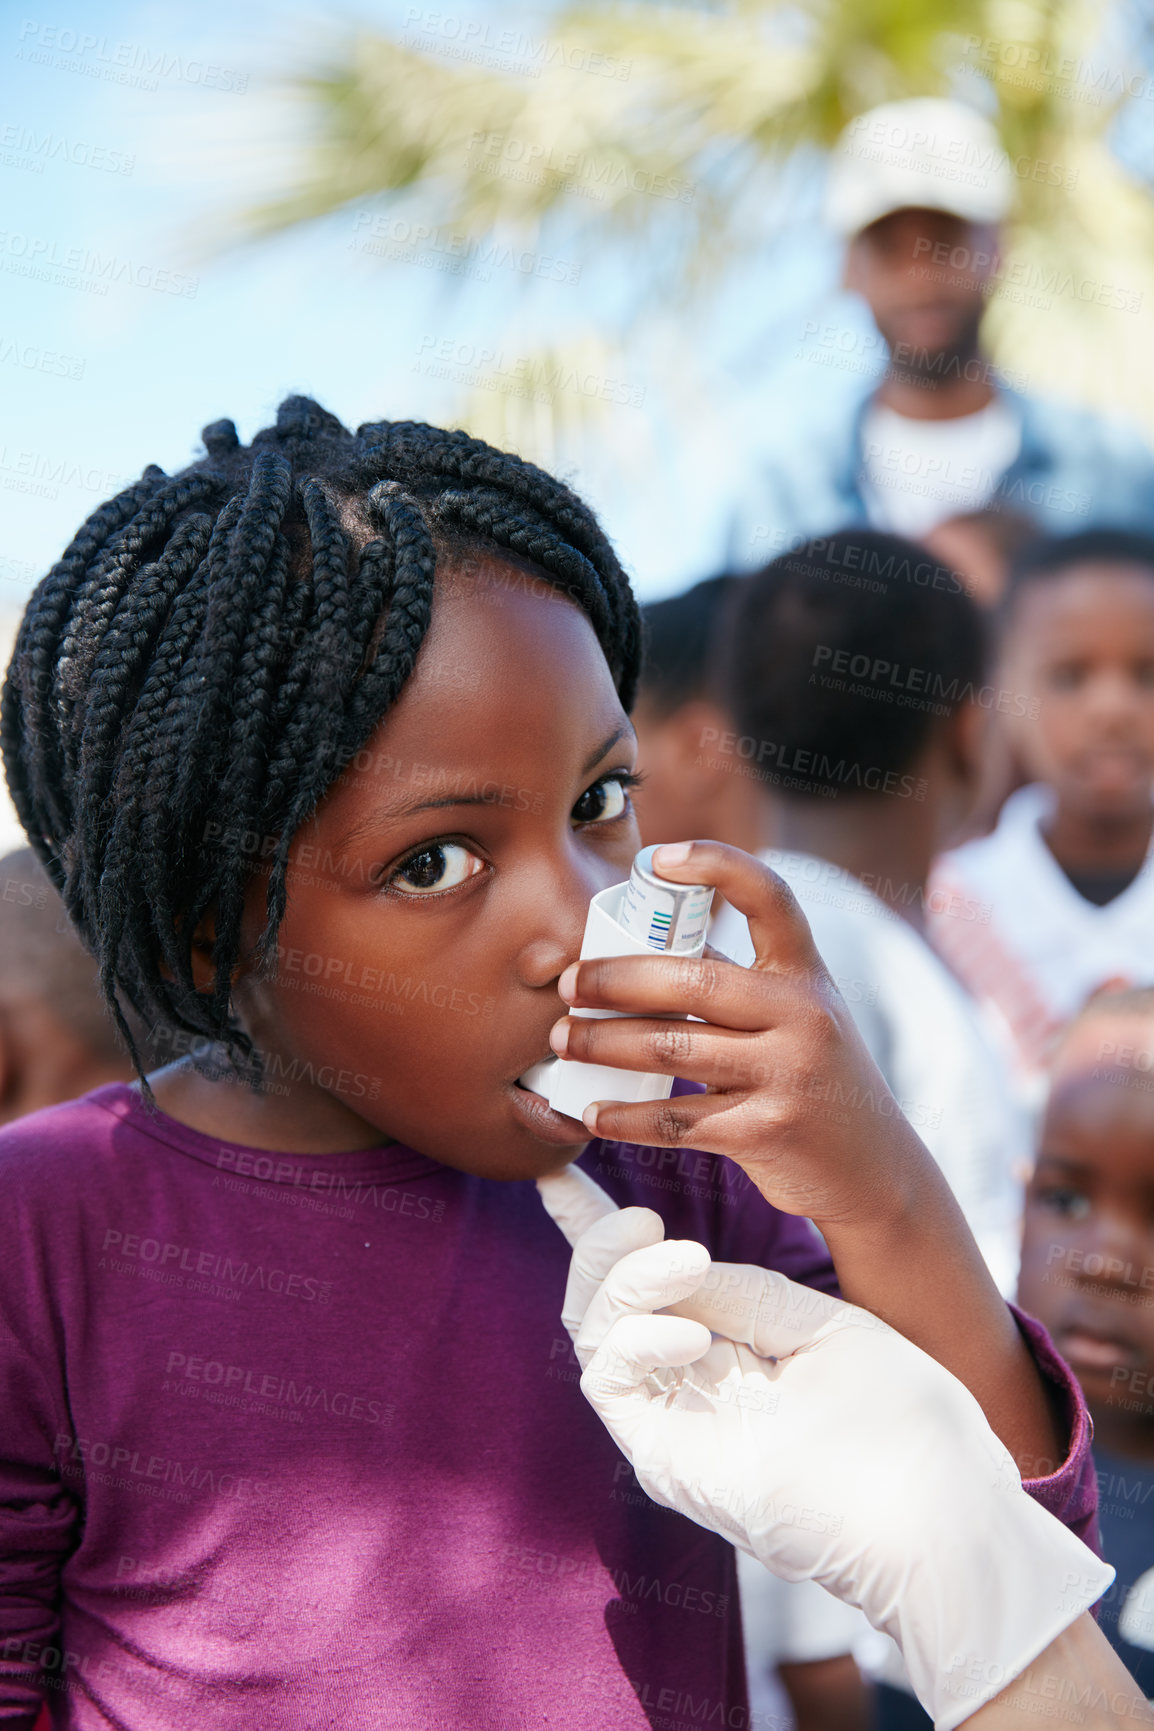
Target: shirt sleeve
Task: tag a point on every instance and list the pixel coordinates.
(39, 1514)
(1068, 1489)
(38, 1520)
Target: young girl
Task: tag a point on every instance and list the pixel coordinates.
(324, 741)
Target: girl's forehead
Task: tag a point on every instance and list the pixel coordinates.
(506, 669)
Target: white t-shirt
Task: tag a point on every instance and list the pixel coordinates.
(915, 474)
(784, 1621)
(927, 1039)
(1033, 949)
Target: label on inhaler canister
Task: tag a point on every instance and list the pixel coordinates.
(610, 930)
(669, 917)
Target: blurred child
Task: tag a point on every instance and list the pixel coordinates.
(324, 741)
(798, 1638)
(854, 667)
(1088, 1273)
(57, 1038)
(687, 788)
(981, 546)
(1065, 873)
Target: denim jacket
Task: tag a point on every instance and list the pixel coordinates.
(1074, 470)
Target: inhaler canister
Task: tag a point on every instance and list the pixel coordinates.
(647, 915)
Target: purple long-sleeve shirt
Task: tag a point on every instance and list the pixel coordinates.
(296, 1442)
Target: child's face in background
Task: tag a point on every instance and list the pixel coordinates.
(1088, 1238)
(443, 885)
(1081, 646)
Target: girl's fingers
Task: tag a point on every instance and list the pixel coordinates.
(574, 1201)
(692, 1050)
(674, 1123)
(723, 993)
(640, 1283)
(777, 927)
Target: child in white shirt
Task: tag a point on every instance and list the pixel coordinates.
(1065, 875)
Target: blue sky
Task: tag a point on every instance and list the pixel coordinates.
(128, 324)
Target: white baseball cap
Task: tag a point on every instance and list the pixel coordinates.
(925, 154)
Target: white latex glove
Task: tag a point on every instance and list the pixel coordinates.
(814, 1436)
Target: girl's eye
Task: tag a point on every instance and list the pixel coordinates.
(1066, 676)
(441, 865)
(606, 799)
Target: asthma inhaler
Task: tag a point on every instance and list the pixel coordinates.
(647, 915)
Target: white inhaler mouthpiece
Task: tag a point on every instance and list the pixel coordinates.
(646, 916)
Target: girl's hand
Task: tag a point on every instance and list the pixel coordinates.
(796, 1100)
(794, 1096)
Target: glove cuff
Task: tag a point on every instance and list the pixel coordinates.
(967, 1626)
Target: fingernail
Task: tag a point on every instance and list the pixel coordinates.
(567, 984)
(589, 1116)
(672, 853)
(559, 1037)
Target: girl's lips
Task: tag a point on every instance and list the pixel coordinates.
(548, 1126)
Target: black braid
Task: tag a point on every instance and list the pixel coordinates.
(215, 646)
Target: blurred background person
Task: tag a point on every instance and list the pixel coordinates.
(1065, 876)
(57, 1040)
(981, 546)
(919, 190)
(689, 788)
(855, 668)
(1088, 1274)
(798, 1638)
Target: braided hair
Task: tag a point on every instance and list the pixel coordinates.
(216, 645)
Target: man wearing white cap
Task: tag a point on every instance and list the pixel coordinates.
(918, 189)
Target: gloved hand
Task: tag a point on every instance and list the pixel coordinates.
(815, 1437)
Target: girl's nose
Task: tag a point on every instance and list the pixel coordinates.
(558, 924)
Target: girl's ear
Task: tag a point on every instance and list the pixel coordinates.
(203, 963)
(203, 940)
